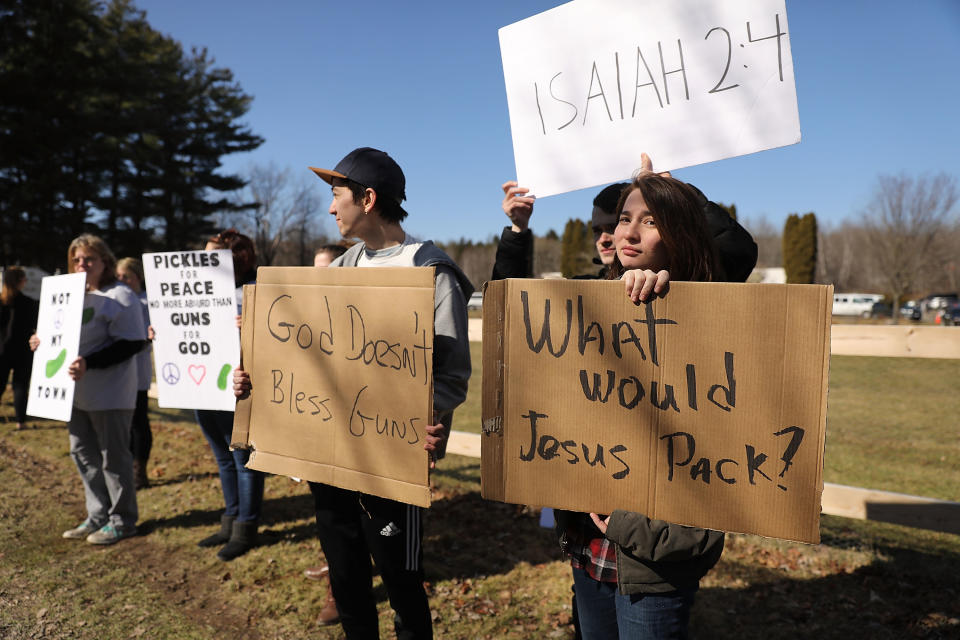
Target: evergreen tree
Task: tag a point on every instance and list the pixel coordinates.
(576, 249)
(48, 67)
(800, 248)
(106, 124)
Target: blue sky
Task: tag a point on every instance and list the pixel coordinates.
(877, 86)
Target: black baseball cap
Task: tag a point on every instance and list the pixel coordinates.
(605, 205)
(373, 169)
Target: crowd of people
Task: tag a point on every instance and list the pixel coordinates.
(633, 577)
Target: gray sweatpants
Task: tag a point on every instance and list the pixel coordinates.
(100, 446)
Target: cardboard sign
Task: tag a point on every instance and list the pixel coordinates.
(341, 364)
(193, 311)
(58, 327)
(593, 83)
(706, 407)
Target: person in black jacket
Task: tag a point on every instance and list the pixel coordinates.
(514, 259)
(18, 321)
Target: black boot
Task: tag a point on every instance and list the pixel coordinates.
(222, 536)
(140, 480)
(243, 537)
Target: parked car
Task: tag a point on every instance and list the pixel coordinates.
(950, 317)
(475, 303)
(911, 309)
(854, 304)
(881, 310)
(938, 301)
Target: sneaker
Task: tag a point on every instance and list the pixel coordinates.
(80, 532)
(108, 534)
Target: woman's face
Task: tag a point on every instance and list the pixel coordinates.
(86, 260)
(636, 237)
(129, 278)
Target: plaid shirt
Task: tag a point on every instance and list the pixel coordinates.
(591, 551)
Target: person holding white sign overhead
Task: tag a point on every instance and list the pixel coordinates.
(111, 334)
(737, 249)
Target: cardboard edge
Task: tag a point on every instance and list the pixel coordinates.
(346, 276)
(406, 492)
(826, 317)
(492, 468)
(240, 438)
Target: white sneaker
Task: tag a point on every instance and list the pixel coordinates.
(109, 534)
(80, 532)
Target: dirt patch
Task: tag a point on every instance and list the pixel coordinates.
(38, 487)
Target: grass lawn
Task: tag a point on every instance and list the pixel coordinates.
(492, 571)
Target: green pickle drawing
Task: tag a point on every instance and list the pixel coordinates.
(222, 378)
(54, 365)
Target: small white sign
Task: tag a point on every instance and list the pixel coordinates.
(193, 310)
(58, 327)
(593, 83)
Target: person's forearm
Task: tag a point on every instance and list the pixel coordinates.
(115, 353)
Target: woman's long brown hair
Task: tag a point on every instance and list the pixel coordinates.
(682, 224)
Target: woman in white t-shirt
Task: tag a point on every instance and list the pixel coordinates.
(111, 334)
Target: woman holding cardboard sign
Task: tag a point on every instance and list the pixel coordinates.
(242, 488)
(635, 577)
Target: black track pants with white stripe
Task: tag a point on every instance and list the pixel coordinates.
(354, 526)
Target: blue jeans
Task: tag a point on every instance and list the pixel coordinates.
(606, 614)
(242, 487)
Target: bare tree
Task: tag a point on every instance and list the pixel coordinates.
(839, 260)
(903, 226)
(287, 218)
(546, 254)
(768, 239)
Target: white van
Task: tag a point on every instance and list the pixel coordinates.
(854, 304)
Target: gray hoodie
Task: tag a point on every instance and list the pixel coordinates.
(451, 348)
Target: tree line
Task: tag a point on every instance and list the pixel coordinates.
(109, 126)
(904, 244)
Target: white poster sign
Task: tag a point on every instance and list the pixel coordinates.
(593, 83)
(58, 327)
(193, 310)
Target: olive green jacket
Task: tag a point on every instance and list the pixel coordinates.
(654, 556)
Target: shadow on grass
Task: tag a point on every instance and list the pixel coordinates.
(467, 536)
(276, 511)
(45, 425)
(903, 594)
(183, 477)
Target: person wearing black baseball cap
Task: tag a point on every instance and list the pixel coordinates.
(368, 189)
